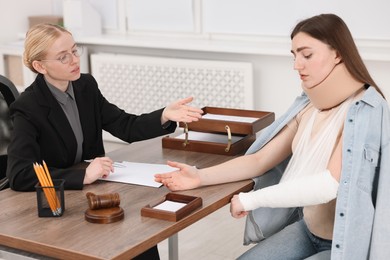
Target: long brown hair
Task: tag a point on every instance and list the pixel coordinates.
(332, 30)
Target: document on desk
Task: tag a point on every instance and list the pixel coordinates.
(138, 173)
(242, 119)
(208, 137)
(170, 206)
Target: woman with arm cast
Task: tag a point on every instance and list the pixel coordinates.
(321, 172)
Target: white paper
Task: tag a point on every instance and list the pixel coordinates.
(168, 205)
(209, 137)
(138, 173)
(242, 119)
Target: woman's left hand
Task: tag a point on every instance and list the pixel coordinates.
(236, 208)
(180, 111)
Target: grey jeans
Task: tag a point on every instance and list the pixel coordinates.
(293, 242)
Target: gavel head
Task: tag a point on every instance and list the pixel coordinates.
(101, 201)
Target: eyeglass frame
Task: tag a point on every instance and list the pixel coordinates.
(68, 57)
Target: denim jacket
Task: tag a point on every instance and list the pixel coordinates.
(362, 217)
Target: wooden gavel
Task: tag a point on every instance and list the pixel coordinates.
(108, 200)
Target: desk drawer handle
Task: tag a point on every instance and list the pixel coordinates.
(227, 149)
(186, 135)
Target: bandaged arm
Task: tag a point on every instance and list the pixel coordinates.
(305, 191)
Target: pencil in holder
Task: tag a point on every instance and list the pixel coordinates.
(51, 199)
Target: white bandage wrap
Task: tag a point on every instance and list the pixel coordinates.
(305, 191)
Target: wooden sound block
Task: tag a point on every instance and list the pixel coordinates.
(105, 215)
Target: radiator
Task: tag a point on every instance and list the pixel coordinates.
(140, 84)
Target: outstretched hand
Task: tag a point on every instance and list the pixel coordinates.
(185, 178)
(180, 111)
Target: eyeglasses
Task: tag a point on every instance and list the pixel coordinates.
(68, 57)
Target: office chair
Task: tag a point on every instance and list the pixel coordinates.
(8, 94)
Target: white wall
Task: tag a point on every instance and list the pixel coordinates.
(14, 16)
(380, 72)
(365, 18)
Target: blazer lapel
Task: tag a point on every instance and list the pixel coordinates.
(87, 99)
(56, 116)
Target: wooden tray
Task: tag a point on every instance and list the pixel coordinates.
(237, 128)
(192, 204)
(244, 130)
(209, 147)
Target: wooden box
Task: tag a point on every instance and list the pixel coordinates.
(53, 19)
(191, 204)
(224, 131)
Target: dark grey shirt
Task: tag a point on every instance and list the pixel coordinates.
(68, 103)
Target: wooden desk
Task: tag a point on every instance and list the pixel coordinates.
(71, 237)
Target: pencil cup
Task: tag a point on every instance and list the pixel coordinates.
(51, 199)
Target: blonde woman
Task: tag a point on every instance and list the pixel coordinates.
(60, 117)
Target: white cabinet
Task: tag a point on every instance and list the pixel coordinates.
(12, 67)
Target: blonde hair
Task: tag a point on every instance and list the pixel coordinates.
(38, 39)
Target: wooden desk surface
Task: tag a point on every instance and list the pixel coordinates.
(71, 237)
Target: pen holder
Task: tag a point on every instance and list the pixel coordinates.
(51, 199)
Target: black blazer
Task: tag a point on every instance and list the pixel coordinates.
(42, 132)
